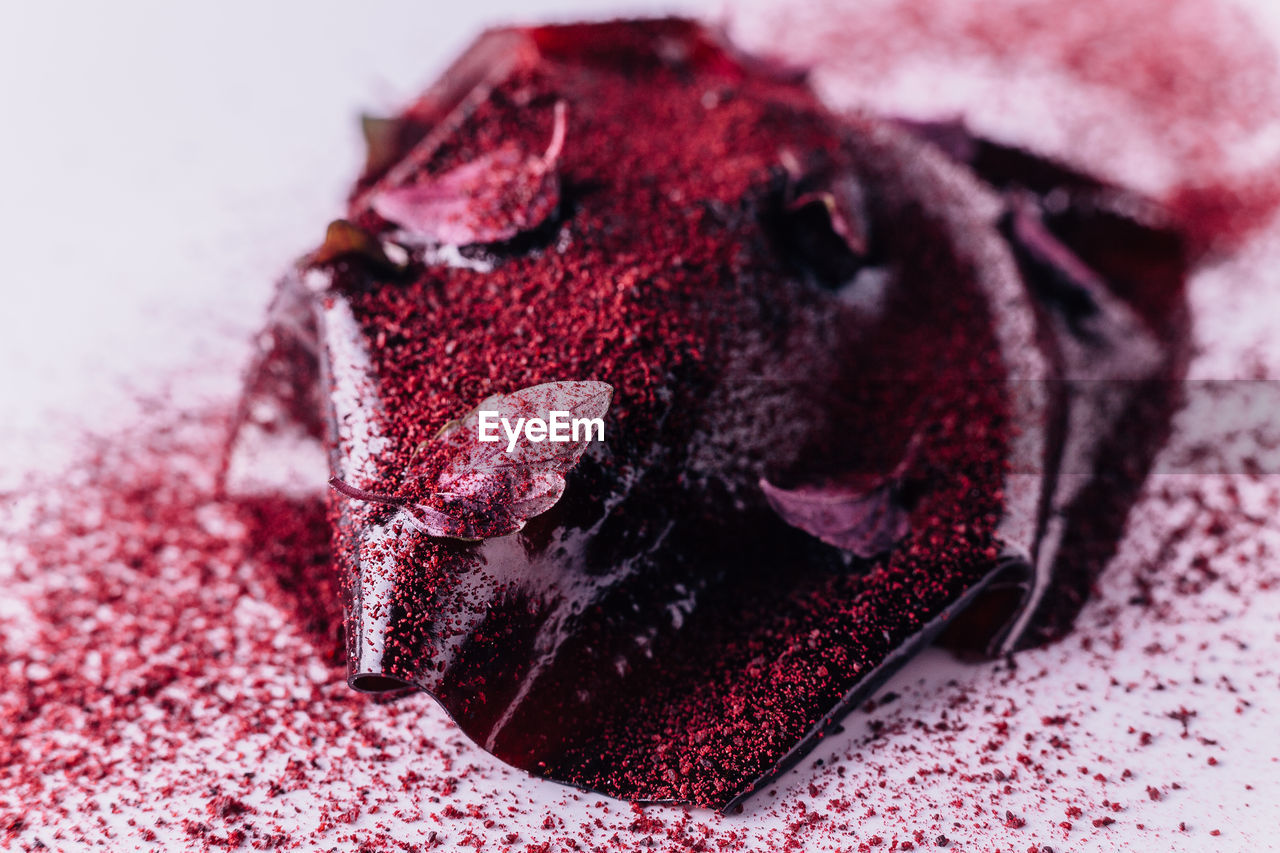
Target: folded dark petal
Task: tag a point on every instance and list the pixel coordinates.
(866, 522)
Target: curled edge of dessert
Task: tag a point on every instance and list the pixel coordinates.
(1084, 281)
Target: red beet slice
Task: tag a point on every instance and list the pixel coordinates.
(774, 294)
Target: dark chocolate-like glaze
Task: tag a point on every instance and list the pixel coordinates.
(661, 634)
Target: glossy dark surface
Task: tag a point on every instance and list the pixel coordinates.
(662, 634)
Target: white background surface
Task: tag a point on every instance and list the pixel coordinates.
(160, 162)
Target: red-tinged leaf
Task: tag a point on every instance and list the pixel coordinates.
(342, 239)
(837, 197)
(485, 490)
(866, 521)
(842, 215)
(490, 199)
(1028, 230)
(382, 141)
(579, 399)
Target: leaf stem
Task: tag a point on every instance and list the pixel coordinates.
(342, 487)
(557, 135)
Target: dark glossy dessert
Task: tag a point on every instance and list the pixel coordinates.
(872, 381)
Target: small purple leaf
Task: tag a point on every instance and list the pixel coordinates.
(342, 239)
(1030, 233)
(838, 196)
(490, 199)
(865, 521)
(485, 490)
(580, 399)
(381, 139)
(843, 211)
